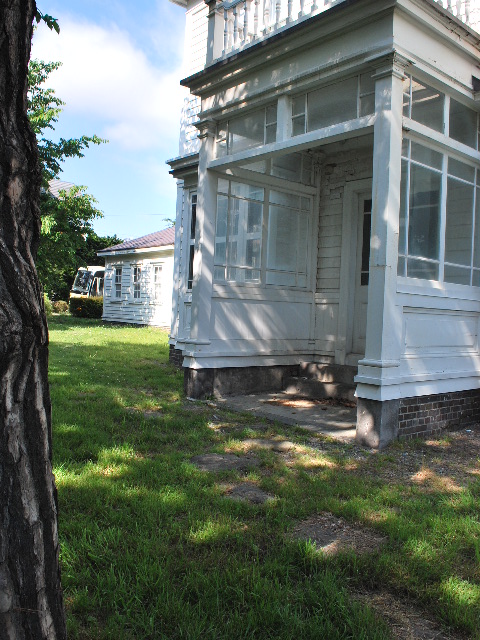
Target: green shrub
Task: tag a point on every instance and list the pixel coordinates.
(48, 305)
(60, 306)
(86, 307)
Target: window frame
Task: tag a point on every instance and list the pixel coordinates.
(136, 282)
(157, 267)
(117, 283)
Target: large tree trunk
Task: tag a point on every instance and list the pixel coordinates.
(31, 602)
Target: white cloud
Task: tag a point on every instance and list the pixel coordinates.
(105, 76)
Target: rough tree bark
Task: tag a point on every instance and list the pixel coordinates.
(31, 602)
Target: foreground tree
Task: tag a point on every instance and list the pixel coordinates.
(31, 603)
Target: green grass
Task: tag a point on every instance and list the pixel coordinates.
(151, 548)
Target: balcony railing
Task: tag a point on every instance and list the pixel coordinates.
(246, 21)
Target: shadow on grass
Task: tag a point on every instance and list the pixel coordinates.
(152, 548)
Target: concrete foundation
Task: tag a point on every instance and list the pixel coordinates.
(377, 422)
(201, 383)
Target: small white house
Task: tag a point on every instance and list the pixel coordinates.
(138, 280)
(329, 204)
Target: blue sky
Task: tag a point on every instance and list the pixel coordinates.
(122, 63)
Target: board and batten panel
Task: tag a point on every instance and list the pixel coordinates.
(440, 342)
(258, 320)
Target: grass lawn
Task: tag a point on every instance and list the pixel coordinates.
(152, 548)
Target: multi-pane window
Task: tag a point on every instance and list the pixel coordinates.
(238, 238)
(247, 132)
(243, 211)
(118, 282)
(426, 105)
(157, 282)
(136, 281)
(439, 217)
(191, 238)
(333, 104)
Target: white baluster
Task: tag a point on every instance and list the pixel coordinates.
(230, 30)
(290, 11)
(449, 6)
(266, 17)
(225, 31)
(301, 13)
(255, 19)
(467, 11)
(278, 8)
(314, 6)
(245, 22)
(459, 8)
(235, 27)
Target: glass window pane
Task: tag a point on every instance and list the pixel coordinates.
(222, 208)
(476, 248)
(285, 199)
(298, 106)
(282, 278)
(406, 96)
(401, 266)
(246, 191)
(298, 126)
(426, 156)
(271, 114)
(476, 279)
(252, 253)
(367, 105)
(219, 274)
(222, 185)
(457, 275)
(461, 170)
(405, 147)
(463, 123)
(367, 82)
(458, 232)
(282, 239)
(333, 104)
(422, 269)
(288, 167)
(402, 235)
(424, 214)
(246, 132)
(270, 133)
(254, 221)
(427, 105)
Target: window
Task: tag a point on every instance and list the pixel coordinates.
(157, 282)
(439, 217)
(426, 105)
(333, 104)
(238, 238)
(136, 281)
(247, 132)
(191, 238)
(239, 252)
(118, 282)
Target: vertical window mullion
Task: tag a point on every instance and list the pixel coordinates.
(473, 226)
(446, 115)
(443, 216)
(265, 230)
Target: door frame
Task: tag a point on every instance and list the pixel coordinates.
(354, 191)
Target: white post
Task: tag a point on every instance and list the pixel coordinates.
(375, 419)
(284, 118)
(266, 16)
(255, 19)
(278, 7)
(290, 11)
(301, 13)
(216, 26)
(383, 331)
(178, 287)
(204, 240)
(245, 22)
(235, 26)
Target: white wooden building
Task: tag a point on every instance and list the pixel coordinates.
(139, 279)
(329, 204)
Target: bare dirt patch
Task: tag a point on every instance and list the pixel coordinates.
(224, 462)
(405, 619)
(249, 492)
(333, 535)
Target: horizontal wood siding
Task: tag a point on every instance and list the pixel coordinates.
(144, 310)
(337, 170)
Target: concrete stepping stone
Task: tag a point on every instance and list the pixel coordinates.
(279, 446)
(249, 492)
(224, 462)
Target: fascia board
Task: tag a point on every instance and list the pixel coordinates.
(125, 252)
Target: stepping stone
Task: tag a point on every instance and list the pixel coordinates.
(279, 446)
(224, 462)
(249, 492)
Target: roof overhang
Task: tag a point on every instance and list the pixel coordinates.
(184, 165)
(123, 252)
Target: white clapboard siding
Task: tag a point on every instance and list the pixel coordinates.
(144, 310)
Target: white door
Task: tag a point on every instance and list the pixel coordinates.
(359, 332)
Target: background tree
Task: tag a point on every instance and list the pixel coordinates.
(67, 235)
(31, 603)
